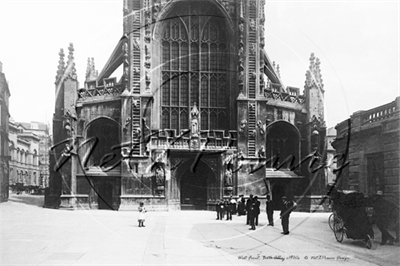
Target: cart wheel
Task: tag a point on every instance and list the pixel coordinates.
(368, 243)
(338, 229)
(331, 220)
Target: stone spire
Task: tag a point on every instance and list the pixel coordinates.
(61, 66)
(71, 71)
(313, 75)
(91, 73)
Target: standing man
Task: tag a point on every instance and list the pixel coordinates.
(257, 209)
(287, 208)
(248, 205)
(270, 211)
(241, 209)
(228, 210)
(220, 210)
(252, 214)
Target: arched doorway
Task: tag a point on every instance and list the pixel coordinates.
(195, 185)
(105, 196)
(278, 191)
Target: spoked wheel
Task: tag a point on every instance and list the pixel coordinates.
(331, 220)
(338, 229)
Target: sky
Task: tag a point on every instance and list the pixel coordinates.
(357, 43)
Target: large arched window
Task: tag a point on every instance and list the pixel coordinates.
(103, 135)
(194, 71)
(283, 142)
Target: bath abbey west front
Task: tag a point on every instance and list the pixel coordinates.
(199, 113)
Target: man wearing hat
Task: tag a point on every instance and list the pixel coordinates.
(287, 207)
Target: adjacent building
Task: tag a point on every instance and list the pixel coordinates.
(24, 163)
(41, 130)
(4, 117)
(368, 145)
(200, 113)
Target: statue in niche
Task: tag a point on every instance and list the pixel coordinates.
(261, 127)
(261, 152)
(159, 173)
(243, 124)
(228, 177)
(194, 124)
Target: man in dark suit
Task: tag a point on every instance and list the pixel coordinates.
(228, 210)
(287, 208)
(270, 211)
(252, 213)
(220, 209)
(248, 204)
(257, 209)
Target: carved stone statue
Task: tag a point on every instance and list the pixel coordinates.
(228, 178)
(194, 124)
(159, 172)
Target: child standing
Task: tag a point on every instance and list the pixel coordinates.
(142, 214)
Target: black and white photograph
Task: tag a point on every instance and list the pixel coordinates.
(199, 132)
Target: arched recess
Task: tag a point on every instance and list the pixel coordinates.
(283, 141)
(103, 142)
(196, 184)
(194, 41)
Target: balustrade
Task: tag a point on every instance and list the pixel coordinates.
(380, 113)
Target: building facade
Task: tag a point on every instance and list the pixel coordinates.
(368, 146)
(4, 117)
(24, 163)
(41, 130)
(199, 113)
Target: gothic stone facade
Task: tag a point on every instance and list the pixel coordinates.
(200, 113)
(369, 144)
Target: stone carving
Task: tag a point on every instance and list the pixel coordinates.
(252, 107)
(242, 128)
(253, 48)
(194, 143)
(252, 24)
(194, 124)
(127, 123)
(261, 127)
(252, 133)
(136, 132)
(261, 152)
(160, 175)
(136, 43)
(228, 178)
(147, 57)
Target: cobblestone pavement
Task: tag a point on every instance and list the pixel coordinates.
(31, 235)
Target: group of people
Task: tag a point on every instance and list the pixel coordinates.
(251, 208)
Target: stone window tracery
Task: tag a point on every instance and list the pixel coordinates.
(194, 70)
